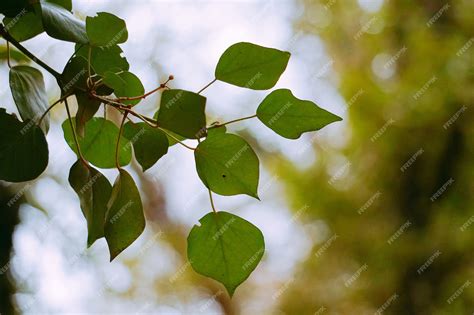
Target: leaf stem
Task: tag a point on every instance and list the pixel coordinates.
(51, 107)
(20, 47)
(117, 155)
(162, 86)
(212, 201)
(209, 84)
(176, 139)
(74, 135)
(231, 122)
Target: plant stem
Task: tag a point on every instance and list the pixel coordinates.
(21, 48)
(162, 86)
(176, 139)
(209, 84)
(51, 107)
(117, 155)
(74, 134)
(230, 122)
(212, 201)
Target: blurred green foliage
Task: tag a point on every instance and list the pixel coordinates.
(394, 243)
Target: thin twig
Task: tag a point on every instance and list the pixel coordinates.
(176, 139)
(212, 201)
(21, 48)
(209, 84)
(118, 141)
(75, 135)
(133, 98)
(8, 55)
(51, 107)
(231, 122)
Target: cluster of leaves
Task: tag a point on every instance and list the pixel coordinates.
(224, 246)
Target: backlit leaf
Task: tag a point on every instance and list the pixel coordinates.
(106, 29)
(226, 248)
(98, 143)
(290, 117)
(183, 112)
(104, 59)
(125, 220)
(125, 84)
(149, 144)
(251, 66)
(227, 165)
(93, 190)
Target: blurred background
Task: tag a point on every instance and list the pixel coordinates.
(372, 215)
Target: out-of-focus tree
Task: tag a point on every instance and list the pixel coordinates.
(398, 201)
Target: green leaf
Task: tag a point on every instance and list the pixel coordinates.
(98, 143)
(74, 75)
(86, 109)
(61, 24)
(251, 66)
(66, 4)
(29, 94)
(183, 112)
(125, 220)
(24, 26)
(106, 29)
(172, 141)
(227, 165)
(23, 149)
(12, 8)
(104, 59)
(93, 190)
(226, 248)
(125, 84)
(216, 130)
(289, 116)
(149, 144)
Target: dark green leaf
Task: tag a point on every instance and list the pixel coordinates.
(27, 86)
(226, 248)
(74, 75)
(149, 144)
(104, 59)
(227, 165)
(86, 109)
(93, 190)
(61, 24)
(23, 149)
(172, 140)
(25, 26)
(12, 8)
(251, 66)
(289, 116)
(106, 29)
(125, 220)
(98, 143)
(183, 112)
(125, 84)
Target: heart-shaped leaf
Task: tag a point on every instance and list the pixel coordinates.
(149, 144)
(227, 165)
(99, 142)
(74, 76)
(23, 149)
(106, 29)
(183, 112)
(24, 26)
(104, 59)
(226, 248)
(29, 94)
(289, 116)
(93, 190)
(125, 220)
(61, 24)
(251, 66)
